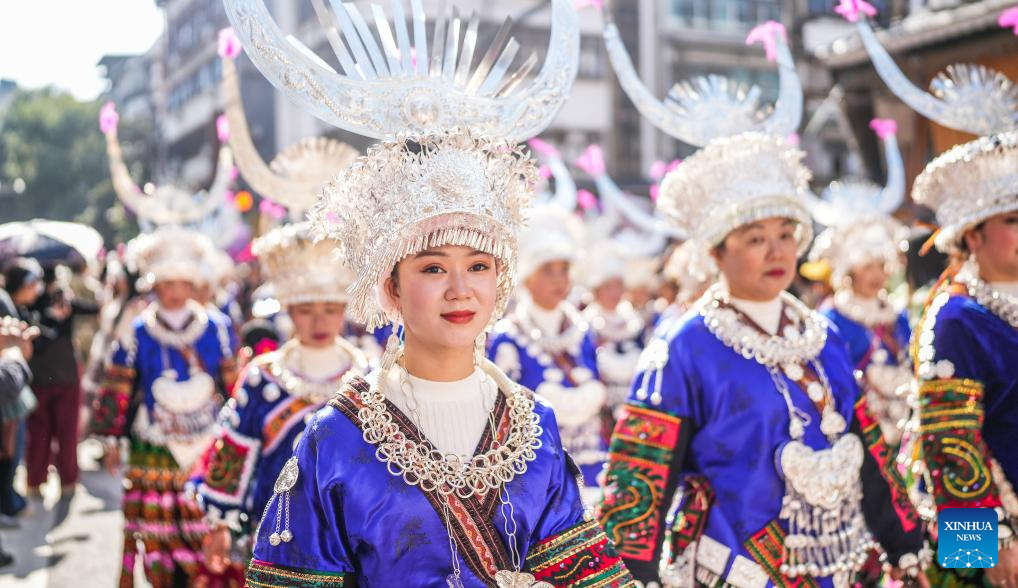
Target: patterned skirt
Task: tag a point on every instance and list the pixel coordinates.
(163, 528)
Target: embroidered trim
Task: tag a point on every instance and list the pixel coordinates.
(473, 529)
(877, 446)
(266, 575)
(110, 406)
(579, 557)
(687, 517)
(231, 464)
(282, 419)
(639, 460)
(951, 421)
(767, 547)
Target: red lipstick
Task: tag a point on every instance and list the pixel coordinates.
(775, 273)
(459, 317)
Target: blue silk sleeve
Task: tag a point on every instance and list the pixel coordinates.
(312, 510)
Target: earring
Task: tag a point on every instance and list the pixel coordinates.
(479, 348)
(393, 346)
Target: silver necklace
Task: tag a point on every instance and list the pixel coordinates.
(1002, 304)
(179, 339)
(848, 303)
(431, 470)
(311, 390)
(514, 578)
(800, 342)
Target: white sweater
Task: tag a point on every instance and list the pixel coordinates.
(452, 415)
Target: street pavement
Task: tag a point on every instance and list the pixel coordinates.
(69, 542)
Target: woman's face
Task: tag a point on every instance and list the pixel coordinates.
(174, 294)
(549, 284)
(610, 293)
(445, 295)
(29, 293)
(869, 279)
(995, 245)
(758, 259)
(317, 324)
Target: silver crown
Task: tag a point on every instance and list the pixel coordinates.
(300, 269)
(395, 80)
(735, 181)
(968, 184)
(412, 193)
(863, 239)
(170, 253)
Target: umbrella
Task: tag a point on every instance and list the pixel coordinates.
(51, 243)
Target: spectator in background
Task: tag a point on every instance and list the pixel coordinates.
(23, 280)
(53, 426)
(15, 348)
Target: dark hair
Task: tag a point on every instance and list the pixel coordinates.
(20, 272)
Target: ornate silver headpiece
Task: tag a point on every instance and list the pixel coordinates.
(296, 175)
(969, 98)
(170, 253)
(391, 83)
(734, 181)
(701, 109)
(424, 191)
(443, 179)
(862, 240)
(846, 200)
(165, 204)
(968, 184)
(301, 269)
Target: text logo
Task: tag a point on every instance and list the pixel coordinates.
(967, 538)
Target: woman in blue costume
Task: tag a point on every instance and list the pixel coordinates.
(966, 346)
(616, 326)
(965, 343)
(162, 390)
(382, 488)
(279, 391)
(740, 404)
(546, 345)
(862, 255)
(437, 469)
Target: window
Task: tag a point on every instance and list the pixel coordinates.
(725, 15)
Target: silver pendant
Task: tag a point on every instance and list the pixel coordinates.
(793, 371)
(511, 579)
(454, 581)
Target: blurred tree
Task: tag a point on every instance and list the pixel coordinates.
(52, 142)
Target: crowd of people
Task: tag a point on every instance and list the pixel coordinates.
(439, 370)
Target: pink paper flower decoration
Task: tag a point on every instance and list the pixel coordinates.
(850, 9)
(229, 44)
(592, 161)
(884, 127)
(586, 199)
(108, 118)
(767, 33)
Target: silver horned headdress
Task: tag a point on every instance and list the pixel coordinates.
(966, 97)
(449, 171)
(701, 109)
(973, 181)
(164, 204)
(295, 175)
(395, 80)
